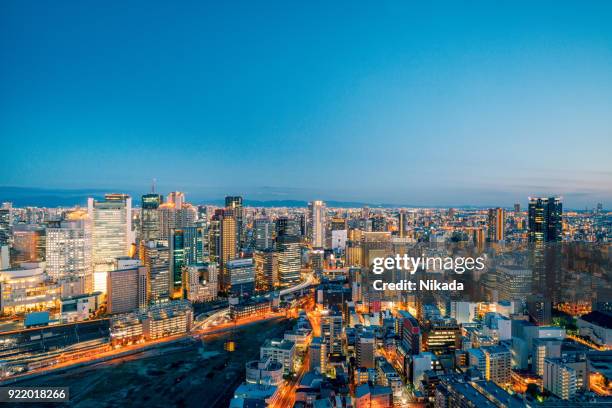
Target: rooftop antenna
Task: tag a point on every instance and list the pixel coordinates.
(153, 185)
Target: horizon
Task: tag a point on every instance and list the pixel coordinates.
(61, 198)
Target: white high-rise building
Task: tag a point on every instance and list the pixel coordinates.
(111, 227)
(68, 250)
(317, 223)
(559, 378)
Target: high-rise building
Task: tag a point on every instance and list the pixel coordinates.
(112, 234)
(365, 344)
(496, 224)
(266, 269)
(289, 259)
(559, 378)
(193, 244)
(317, 223)
(331, 330)
(69, 249)
(175, 213)
(263, 229)
(287, 226)
(318, 354)
(5, 223)
(149, 218)
(402, 226)
(234, 203)
(410, 333)
(241, 274)
(498, 364)
(177, 261)
(517, 208)
(202, 282)
(28, 243)
(156, 258)
(127, 287)
(545, 219)
(226, 248)
(441, 336)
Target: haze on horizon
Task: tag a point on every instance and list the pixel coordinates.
(444, 105)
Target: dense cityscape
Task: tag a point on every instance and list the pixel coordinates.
(280, 301)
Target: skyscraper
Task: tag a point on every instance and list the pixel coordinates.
(177, 261)
(263, 233)
(69, 249)
(150, 223)
(545, 219)
(112, 233)
(289, 259)
(401, 224)
(5, 223)
(497, 224)
(234, 203)
(317, 223)
(127, 287)
(156, 257)
(223, 232)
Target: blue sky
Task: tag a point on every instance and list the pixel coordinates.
(450, 103)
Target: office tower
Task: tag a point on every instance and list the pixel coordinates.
(517, 208)
(441, 336)
(317, 223)
(331, 330)
(478, 237)
(539, 309)
(69, 249)
(302, 224)
(289, 259)
(513, 282)
(496, 224)
(545, 219)
(338, 224)
(234, 203)
(364, 349)
(226, 247)
(402, 226)
(318, 354)
(266, 269)
(127, 287)
(202, 282)
(193, 244)
(263, 229)
(287, 226)
(5, 223)
(410, 333)
(175, 213)
(28, 243)
(559, 378)
(177, 262)
(542, 349)
(379, 223)
(156, 257)
(241, 275)
(177, 198)
(112, 234)
(317, 260)
(498, 364)
(149, 218)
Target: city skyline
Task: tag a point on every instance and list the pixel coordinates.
(457, 105)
